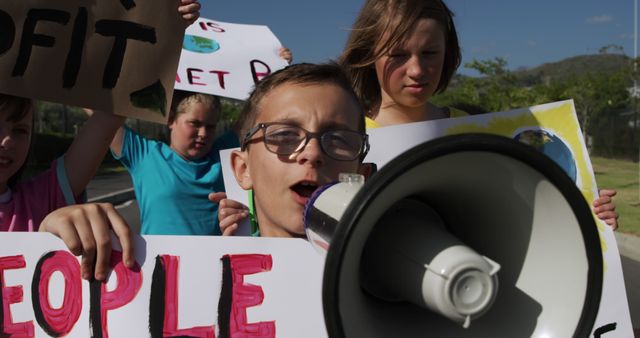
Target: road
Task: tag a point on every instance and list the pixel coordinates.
(117, 189)
(631, 271)
(128, 208)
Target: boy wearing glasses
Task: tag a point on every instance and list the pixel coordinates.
(302, 127)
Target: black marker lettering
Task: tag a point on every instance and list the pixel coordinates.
(191, 77)
(604, 329)
(122, 31)
(30, 38)
(128, 4)
(95, 319)
(35, 297)
(226, 298)
(156, 301)
(220, 74)
(257, 76)
(74, 58)
(7, 35)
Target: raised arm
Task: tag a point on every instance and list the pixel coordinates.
(85, 154)
(116, 143)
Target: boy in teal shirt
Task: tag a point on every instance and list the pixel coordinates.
(172, 181)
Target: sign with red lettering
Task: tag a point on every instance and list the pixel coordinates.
(553, 129)
(227, 59)
(115, 56)
(181, 287)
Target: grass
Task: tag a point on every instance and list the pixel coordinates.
(623, 176)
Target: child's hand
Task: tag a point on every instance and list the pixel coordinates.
(190, 10)
(230, 212)
(605, 209)
(84, 228)
(285, 54)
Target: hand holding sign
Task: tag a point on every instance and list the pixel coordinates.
(230, 213)
(190, 10)
(85, 229)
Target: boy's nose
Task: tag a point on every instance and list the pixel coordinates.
(312, 153)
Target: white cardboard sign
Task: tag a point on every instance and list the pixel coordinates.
(226, 59)
(185, 286)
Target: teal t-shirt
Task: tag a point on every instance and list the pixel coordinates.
(171, 191)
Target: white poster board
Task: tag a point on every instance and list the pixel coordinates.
(226, 59)
(273, 289)
(555, 122)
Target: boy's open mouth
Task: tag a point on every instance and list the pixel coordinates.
(304, 189)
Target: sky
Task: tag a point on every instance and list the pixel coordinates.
(525, 33)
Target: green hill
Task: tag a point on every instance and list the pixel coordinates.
(566, 69)
(578, 65)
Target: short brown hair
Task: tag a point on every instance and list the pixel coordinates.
(18, 108)
(181, 100)
(392, 20)
(301, 73)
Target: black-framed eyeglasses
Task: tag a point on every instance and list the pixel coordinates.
(285, 139)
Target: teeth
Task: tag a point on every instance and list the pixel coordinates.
(4, 161)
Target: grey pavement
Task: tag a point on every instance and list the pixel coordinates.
(628, 245)
(112, 188)
(116, 189)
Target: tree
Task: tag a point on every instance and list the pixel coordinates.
(600, 94)
(595, 94)
(497, 90)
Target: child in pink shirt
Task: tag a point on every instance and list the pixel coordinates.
(25, 205)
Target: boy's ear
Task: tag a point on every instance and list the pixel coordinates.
(171, 119)
(241, 170)
(367, 169)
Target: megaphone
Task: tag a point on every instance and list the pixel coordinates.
(470, 235)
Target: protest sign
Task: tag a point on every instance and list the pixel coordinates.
(115, 56)
(552, 128)
(184, 286)
(226, 59)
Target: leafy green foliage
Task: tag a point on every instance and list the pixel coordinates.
(55, 118)
(599, 86)
(231, 110)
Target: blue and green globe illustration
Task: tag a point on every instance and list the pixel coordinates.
(552, 146)
(199, 44)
